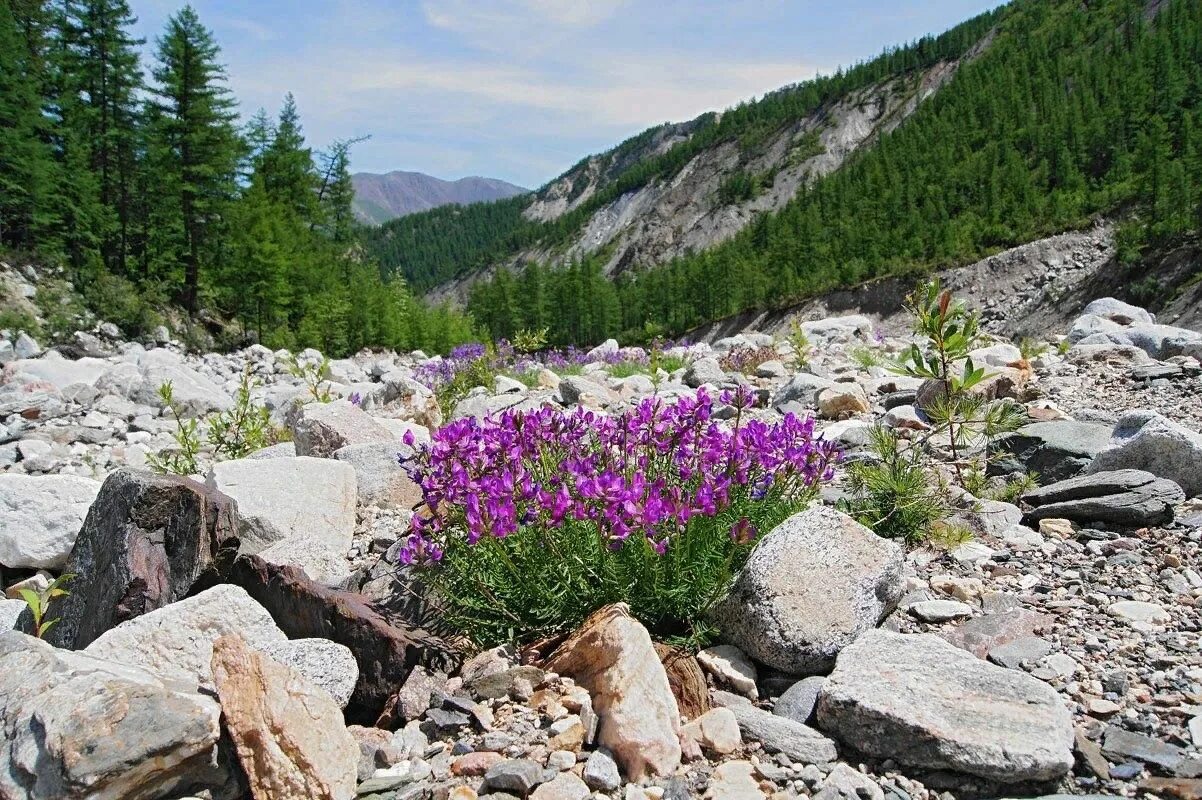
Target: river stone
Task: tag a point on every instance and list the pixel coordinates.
(799, 700)
(40, 516)
(801, 388)
(801, 743)
(1118, 311)
(192, 393)
(80, 727)
(1127, 497)
(925, 703)
(1054, 450)
(289, 734)
(148, 541)
(809, 588)
(1148, 441)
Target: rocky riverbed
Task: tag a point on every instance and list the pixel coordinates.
(243, 630)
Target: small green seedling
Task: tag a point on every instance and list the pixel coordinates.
(39, 602)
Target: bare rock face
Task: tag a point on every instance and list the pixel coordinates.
(289, 734)
(809, 588)
(147, 541)
(613, 657)
(76, 727)
(925, 703)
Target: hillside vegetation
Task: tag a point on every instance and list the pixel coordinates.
(1070, 111)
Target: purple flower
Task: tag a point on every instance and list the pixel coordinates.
(650, 471)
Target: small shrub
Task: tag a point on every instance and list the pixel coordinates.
(531, 521)
(528, 341)
(315, 376)
(243, 429)
(801, 344)
(625, 369)
(18, 320)
(180, 460)
(39, 602)
(865, 358)
(896, 494)
(1031, 349)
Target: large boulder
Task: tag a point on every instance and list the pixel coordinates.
(321, 428)
(382, 480)
(147, 541)
(1127, 498)
(703, 371)
(57, 371)
(385, 651)
(1148, 441)
(1119, 312)
(802, 388)
(176, 642)
(304, 499)
(613, 657)
(75, 726)
(925, 703)
(41, 518)
(1055, 450)
(289, 734)
(809, 588)
(192, 392)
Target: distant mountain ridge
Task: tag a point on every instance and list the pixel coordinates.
(379, 198)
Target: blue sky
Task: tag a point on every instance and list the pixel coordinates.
(522, 89)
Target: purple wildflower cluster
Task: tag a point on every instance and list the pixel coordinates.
(647, 471)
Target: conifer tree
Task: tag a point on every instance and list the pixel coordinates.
(194, 149)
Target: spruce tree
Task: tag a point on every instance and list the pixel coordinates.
(194, 149)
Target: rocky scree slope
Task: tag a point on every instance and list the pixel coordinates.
(250, 622)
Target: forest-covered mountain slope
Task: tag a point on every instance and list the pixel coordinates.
(379, 198)
(1053, 112)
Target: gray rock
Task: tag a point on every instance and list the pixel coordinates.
(925, 703)
(319, 429)
(1119, 312)
(1148, 441)
(802, 388)
(290, 498)
(704, 370)
(604, 351)
(503, 384)
(381, 479)
(1026, 650)
(1119, 744)
(40, 518)
(281, 450)
(573, 387)
(192, 392)
(778, 734)
(26, 346)
(940, 610)
(328, 665)
(1126, 497)
(601, 771)
(10, 614)
(80, 727)
(517, 775)
(809, 588)
(1055, 450)
(799, 700)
